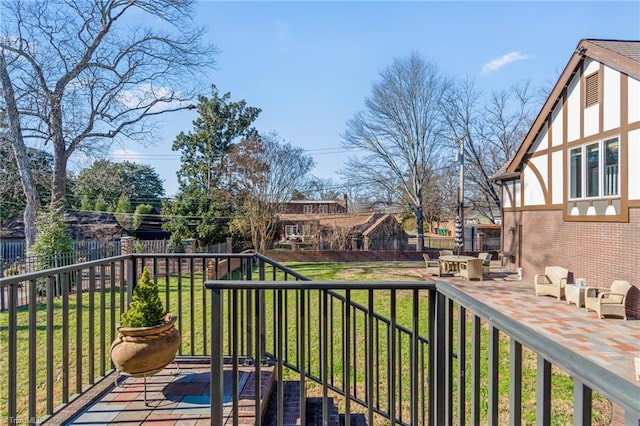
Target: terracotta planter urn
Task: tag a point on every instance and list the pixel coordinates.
(145, 351)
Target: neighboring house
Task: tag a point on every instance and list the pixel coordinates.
(571, 194)
(92, 226)
(299, 220)
(342, 231)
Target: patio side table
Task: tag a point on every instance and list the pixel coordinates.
(575, 294)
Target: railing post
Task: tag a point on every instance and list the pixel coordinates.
(392, 368)
(515, 381)
(12, 353)
(370, 356)
(280, 356)
(581, 404)
(543, 392)
(438, 354)
(462, 368)
(441, 359)
(475, 370)
(302, 357)
(414, 357)
(448, 360)
(324, 357)
(217, 373)
(248, 264)
(130, 264)
(346, 356)
(494, 358)
(259, 355)
(432, 354)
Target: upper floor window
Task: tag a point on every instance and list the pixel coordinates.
(591, 90)
(593, 170)
(307, 209)
(323, 209)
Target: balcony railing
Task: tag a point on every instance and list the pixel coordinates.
(391, 370)
(340, 339)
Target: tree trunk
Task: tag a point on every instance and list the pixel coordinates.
(59, 180)
(419, 229)
(22, 159)
(419, 221)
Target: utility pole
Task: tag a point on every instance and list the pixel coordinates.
(461, 184)
(460, 141)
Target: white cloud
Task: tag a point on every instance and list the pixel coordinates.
(506, 59)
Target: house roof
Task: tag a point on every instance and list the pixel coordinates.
(363, 223)
(622, 55)
(377, 222)
(341, 220)
(341, 203)
(90, 225)
(313, 202)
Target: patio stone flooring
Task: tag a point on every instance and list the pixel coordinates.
(183, 398)
(178, 395)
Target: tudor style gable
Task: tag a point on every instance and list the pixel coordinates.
(582, 154)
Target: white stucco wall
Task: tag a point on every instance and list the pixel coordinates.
(592, 120)
(634, 100)
(556, 125)
(573, 109)
(541, 144)
(506, 199)
(590, 66)
(557, 178)
(533, 188)
(611, 99)
(516, 193)
(634, 160)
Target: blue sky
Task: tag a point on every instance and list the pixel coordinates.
(309, 65)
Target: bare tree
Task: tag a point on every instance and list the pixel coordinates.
(399, 130)
(32, 204)
(88, 73)
(323, 189)
(265, 171)
(491, 132)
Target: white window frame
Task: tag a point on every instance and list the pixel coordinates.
(291, 230)
(602, 175)
(307, 209)
(323, 209)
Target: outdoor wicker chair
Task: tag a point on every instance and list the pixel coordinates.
(434, 266)
(608, 302)
(486, 262)
(472, 269)
(552, 282)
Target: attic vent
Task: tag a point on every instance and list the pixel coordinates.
(591, 97)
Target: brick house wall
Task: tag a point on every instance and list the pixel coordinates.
(600, 252)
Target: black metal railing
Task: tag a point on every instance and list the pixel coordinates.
(389, 370)
(58, 324)
(342, 339)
